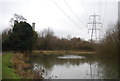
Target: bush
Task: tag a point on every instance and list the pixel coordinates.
(108, 46)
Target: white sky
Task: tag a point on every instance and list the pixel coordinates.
(46, 14)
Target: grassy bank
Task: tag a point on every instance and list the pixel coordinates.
(7, 71)
(16, 66)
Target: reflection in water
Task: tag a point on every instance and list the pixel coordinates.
(57, 68)
(71, 57)
(108, 68)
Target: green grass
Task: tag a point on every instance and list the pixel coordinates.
(0, 66)
(7, 71)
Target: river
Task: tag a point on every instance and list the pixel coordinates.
(75, 67)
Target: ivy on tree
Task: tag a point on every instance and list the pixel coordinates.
(23, 37)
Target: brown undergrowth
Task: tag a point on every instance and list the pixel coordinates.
(22, 67)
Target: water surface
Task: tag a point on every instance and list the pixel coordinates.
(75, 67)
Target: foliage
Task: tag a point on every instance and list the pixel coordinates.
(21, 66)
(48, 41)
(5, 39)
(108, 46)
(21, 38)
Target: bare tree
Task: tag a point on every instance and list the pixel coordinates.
(17, 18)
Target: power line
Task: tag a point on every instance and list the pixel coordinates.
(97, 5)
(84, 8)
(65, 13)
(105, 3)
(72, 10)
(104, 13)
(101, 7)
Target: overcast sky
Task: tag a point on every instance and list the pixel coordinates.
(65, 17)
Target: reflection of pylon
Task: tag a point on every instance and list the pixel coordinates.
(94, 23)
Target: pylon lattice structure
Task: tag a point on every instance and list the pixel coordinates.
(94, 23)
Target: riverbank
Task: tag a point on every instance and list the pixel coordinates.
(7, 71)
(50, 52)
(17, 66)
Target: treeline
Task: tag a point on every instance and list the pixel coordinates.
(108, 46)
(22, 37)
(48, 41)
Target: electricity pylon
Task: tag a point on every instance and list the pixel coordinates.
(94, 24)
(93, 29)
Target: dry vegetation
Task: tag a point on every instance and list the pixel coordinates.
(108, 46)
(22, 68)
